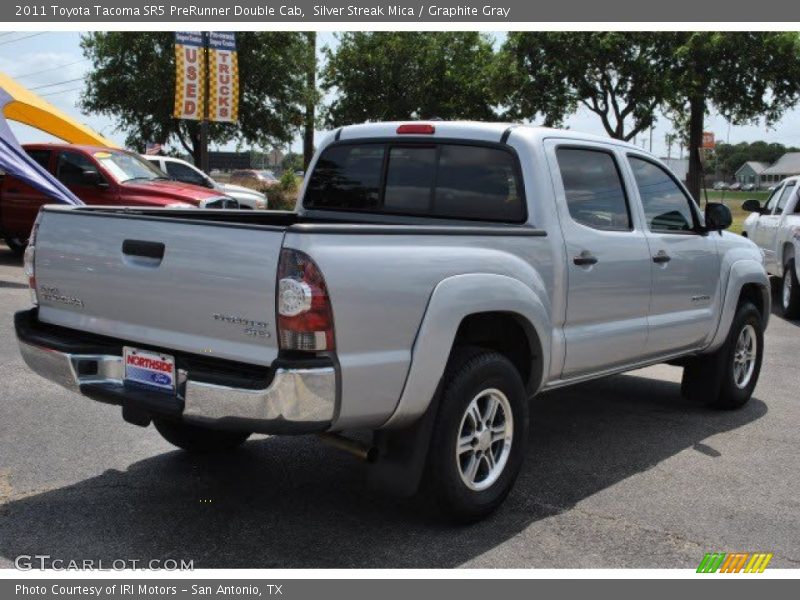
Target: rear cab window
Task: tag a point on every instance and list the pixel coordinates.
(465, 181)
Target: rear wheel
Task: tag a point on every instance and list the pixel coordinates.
(726, 378)
(480, 435)
(16, 245)
(194, 438)
(790, 291)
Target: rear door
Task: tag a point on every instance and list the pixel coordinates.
(683, 259)
(21, 202)
(609, 259)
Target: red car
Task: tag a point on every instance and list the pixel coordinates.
(96, 175)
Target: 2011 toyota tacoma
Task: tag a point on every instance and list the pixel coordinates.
(434, 277)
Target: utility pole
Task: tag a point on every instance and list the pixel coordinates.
(311, 93)
(204, 122)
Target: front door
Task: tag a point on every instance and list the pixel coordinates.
(73, 170)
(684, 261)
(608, 260)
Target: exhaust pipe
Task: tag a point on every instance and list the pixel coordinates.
(358, 449)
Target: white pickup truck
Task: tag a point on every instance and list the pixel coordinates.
(775, 228)
(434, 277)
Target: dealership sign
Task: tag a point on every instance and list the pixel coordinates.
(223, 82)
(189, 75)
(206, 70)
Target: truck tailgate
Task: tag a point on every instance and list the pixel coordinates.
(211, 293)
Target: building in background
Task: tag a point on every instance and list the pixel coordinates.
(786, 166)
(750, 172)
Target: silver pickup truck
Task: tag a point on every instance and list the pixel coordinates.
(434, 277)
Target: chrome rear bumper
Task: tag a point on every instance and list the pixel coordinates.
(305, 397)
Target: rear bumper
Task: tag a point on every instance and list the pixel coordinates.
(287, 398)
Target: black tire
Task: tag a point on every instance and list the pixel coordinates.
(469, 374)
(194, 438)
(790, 306)
(713, 380)
(16, 245)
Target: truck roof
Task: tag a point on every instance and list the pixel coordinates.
(66, 146)
(471, 130)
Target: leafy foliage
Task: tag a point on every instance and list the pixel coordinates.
(133, 81)
(393, 75)
(619, 76)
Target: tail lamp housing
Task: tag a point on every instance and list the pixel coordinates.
(305, 317)
(29, 262)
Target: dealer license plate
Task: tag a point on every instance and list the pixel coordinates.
(151, 369)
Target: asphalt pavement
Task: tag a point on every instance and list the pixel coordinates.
(621, 472)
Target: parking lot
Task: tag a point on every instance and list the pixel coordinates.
(621, 473)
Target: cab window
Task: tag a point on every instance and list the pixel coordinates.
(185, 174)
(667, 208)
(786, 195)
(40, 156)
(593, 188)
(71, 166)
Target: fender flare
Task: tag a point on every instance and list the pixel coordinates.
(452, 300)
(742, 272)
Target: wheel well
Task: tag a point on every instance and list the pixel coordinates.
(751, 292)
(510, 335)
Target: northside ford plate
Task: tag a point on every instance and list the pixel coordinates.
(151, 369)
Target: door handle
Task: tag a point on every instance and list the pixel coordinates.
(662, 258)
(143, 249)
(585, 259)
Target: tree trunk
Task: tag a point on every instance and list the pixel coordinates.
(311, 92)
(697, 108)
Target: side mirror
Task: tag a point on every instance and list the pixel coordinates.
(92, 177)
(718, 216)
(751, 206)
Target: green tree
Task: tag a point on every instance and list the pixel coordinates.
(133, 81)
(746, 76)
(381, 76)
(619, 76)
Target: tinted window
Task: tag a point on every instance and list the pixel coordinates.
(593, 187)
(409, 179)
(666, 208)
(184, 173)
(440, 180)
(347, 177)
(476, 182)
(40, 156)
(71, 166)
(785, 195)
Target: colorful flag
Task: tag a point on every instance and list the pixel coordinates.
(223, 83)
(189, 75)
(152, 148)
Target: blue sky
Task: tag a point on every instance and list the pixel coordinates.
(49, 58)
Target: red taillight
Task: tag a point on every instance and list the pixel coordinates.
(29, 261)
(416, 128)
(305, 318)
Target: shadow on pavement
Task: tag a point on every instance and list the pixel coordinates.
(291, 502)
(7, 258)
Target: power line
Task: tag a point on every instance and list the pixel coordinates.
(39, 87)
(59, 92)
(23, 76)
(22, 38)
